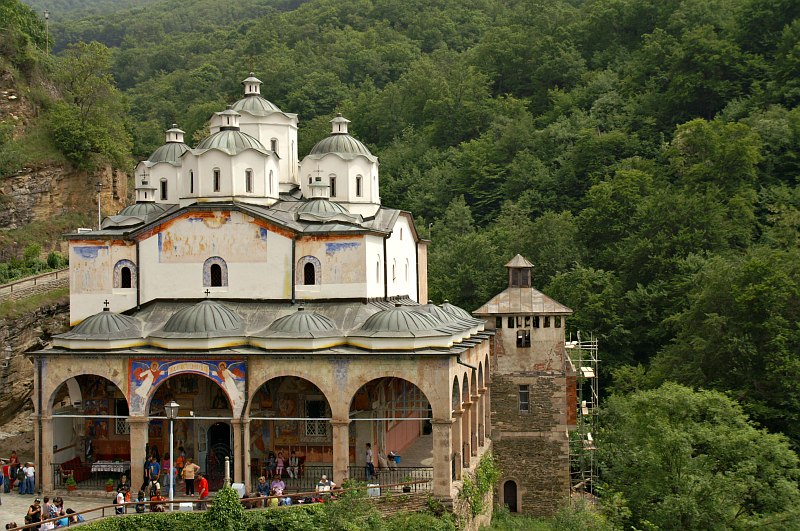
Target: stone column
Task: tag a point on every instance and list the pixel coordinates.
(456, 435)
(482, 429)
(44, 467)
(246, 472)
(474, 424)
(341, 449)
(465, 433)
(138, 442)
(239, 465)
(442, 457)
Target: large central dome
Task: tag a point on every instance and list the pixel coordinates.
(231, 142)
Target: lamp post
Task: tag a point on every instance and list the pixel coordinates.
(171, 410)
(47, 31)
(97, 187)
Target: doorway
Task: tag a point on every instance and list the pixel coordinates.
(219, 447)
(510, 496)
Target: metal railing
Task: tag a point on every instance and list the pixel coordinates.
(84, 477)
(308, 478)
(421, 475)
(29, 282)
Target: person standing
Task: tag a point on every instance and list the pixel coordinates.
(202, 490)
(13, 468)
(119, 508)
(189, 472)
(294, 466)
(369, 469)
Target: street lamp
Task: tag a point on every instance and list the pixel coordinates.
(97, 187)
(47, 31)
(171, 410)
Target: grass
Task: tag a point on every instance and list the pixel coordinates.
(42, 233)
(13, 309)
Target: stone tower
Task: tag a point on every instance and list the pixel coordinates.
(533, 393)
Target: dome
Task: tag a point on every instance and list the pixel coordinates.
(341, 144)
(169, 152)
(459, 313)
(143, 209)
(303, 322)
(231, 142)
(107, 323)
(204, 317)
(400, 319)
(322, 206)
(255, 105)
(435, 311)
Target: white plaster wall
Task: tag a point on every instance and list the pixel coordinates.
(169, 172)
(284, 129)
(345, 172)
(374, 263)
(342, 264)
(401, 254)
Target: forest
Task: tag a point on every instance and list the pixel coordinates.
(645, 156)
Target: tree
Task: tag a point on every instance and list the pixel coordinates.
(688, 460)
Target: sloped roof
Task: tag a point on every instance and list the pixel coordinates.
(527, 301)
(519, 261)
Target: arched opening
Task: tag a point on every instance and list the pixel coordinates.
(466, 437)
(125, 277)
(91, 436)
(124, 274)
(309, 274)
(510, 496)
(394, 416)
(290, 424)
(216, 275)
(215, 272)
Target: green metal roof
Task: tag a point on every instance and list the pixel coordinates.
(107, 325)
(169, 152)
(400, 319)
(341, 144)
(321, 205)
(205, 317)
(231, 142)
(303, 322)
(255, 105)
(144, 209)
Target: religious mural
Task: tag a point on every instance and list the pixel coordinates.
(230, 235)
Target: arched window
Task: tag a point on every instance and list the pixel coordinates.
(216, 182)
(273, 145)
(215, 272)
(309, 271)
(191, 181)
(332, 179)
(248, 181)
(270, 182)
(394, 270)
(378, 271)
(309, 274)
(124, 274)
(163, 189)
(406, 270)
(359, 186)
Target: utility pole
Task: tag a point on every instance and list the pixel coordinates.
(47, 31)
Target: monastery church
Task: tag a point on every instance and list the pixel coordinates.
(286, 311)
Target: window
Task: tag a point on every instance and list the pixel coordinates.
(547, 321)
(401, 233)
(163, 189)
(125, 277)
(523, 338)
(216, 179)
(394, 270)
(124, 274)
(315, 409)
(273, 145)
(524, 399)
(191, 181)
(557, 322)
(359, 186)
(215, 272)
(511, 322)
(378, 271)
(309, 275)
(520, 278)
(536, 321)
(248, 181)
(527, 320)
(498, 322)
(270, 182)
(121, 426)
(333, 186)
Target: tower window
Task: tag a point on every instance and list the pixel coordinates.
(523, 338)
(547, 321)
(333, 186)
(273, 145)
(309, 274)
(498, 322)
(270, 182)
(359, 187)
(248, 181)
(524, 399)
(191, 181)
(216, 179)
(216, 275)
(163, 189)
(536, 321)
(125, 277)
(557, 322)
(510, 322)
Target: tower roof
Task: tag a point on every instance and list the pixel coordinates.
(169, 152)
(519, 261)
(231, 142)
(340, 142)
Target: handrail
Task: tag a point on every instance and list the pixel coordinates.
(210, 501)
(33, 278)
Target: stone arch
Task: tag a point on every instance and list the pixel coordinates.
(120, 277)
(48, 405)
(303, 272)
(213, 277)
(510, 488)
(488, 375)
(473, 382)
(158, 386)
(465, 388)
(456, 395)
(256, 386)
(481, 383)
(435, 397)
(355, 395)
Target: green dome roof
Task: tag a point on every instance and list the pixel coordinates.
(231, 141)
(437, 312)
(203, 318)
(169, 152)
(323, 206)
(255, 105)
(143, 209)
(400, 319)
(341, 144)
(458, 313)
(302, 322)
(107, 323)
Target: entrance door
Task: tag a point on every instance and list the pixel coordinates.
(219, 447)
(510, 495)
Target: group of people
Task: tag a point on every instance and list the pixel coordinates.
(277, 465)
(24, 476)
(51, 513)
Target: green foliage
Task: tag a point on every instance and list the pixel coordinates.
(474, 491)
(692, 460)
(571, 516)
(226, 513)
(13, 309)
(71, 482)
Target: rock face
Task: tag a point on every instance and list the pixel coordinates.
(27, 332)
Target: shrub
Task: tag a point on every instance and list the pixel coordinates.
(226, 513)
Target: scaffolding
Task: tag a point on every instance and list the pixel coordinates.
(583, 463)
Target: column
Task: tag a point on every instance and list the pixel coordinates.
(138, 442)
(474, 424)
(482, 417)
(442, 457)
(456, 436)
(239, 465)
(246, 471)
(341, 449)
(487, 421)
(44, 467)
(465, 433)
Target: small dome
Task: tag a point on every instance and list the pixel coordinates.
(255, 105)
(458, 313)
(435, 311)
(400, 319)
(302, 322)
(204, 317)
(231, 142)
(342, 144)
(169, 152)
(143, 209)
(108, 323)
(322, 206)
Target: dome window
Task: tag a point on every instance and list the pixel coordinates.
(248, 181)
(216, 179)
(191, 181)
(359, 186)
(273, 145)
(309, 274)
(332, 180)
(163, 189)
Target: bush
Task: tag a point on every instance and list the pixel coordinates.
(226, 514)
